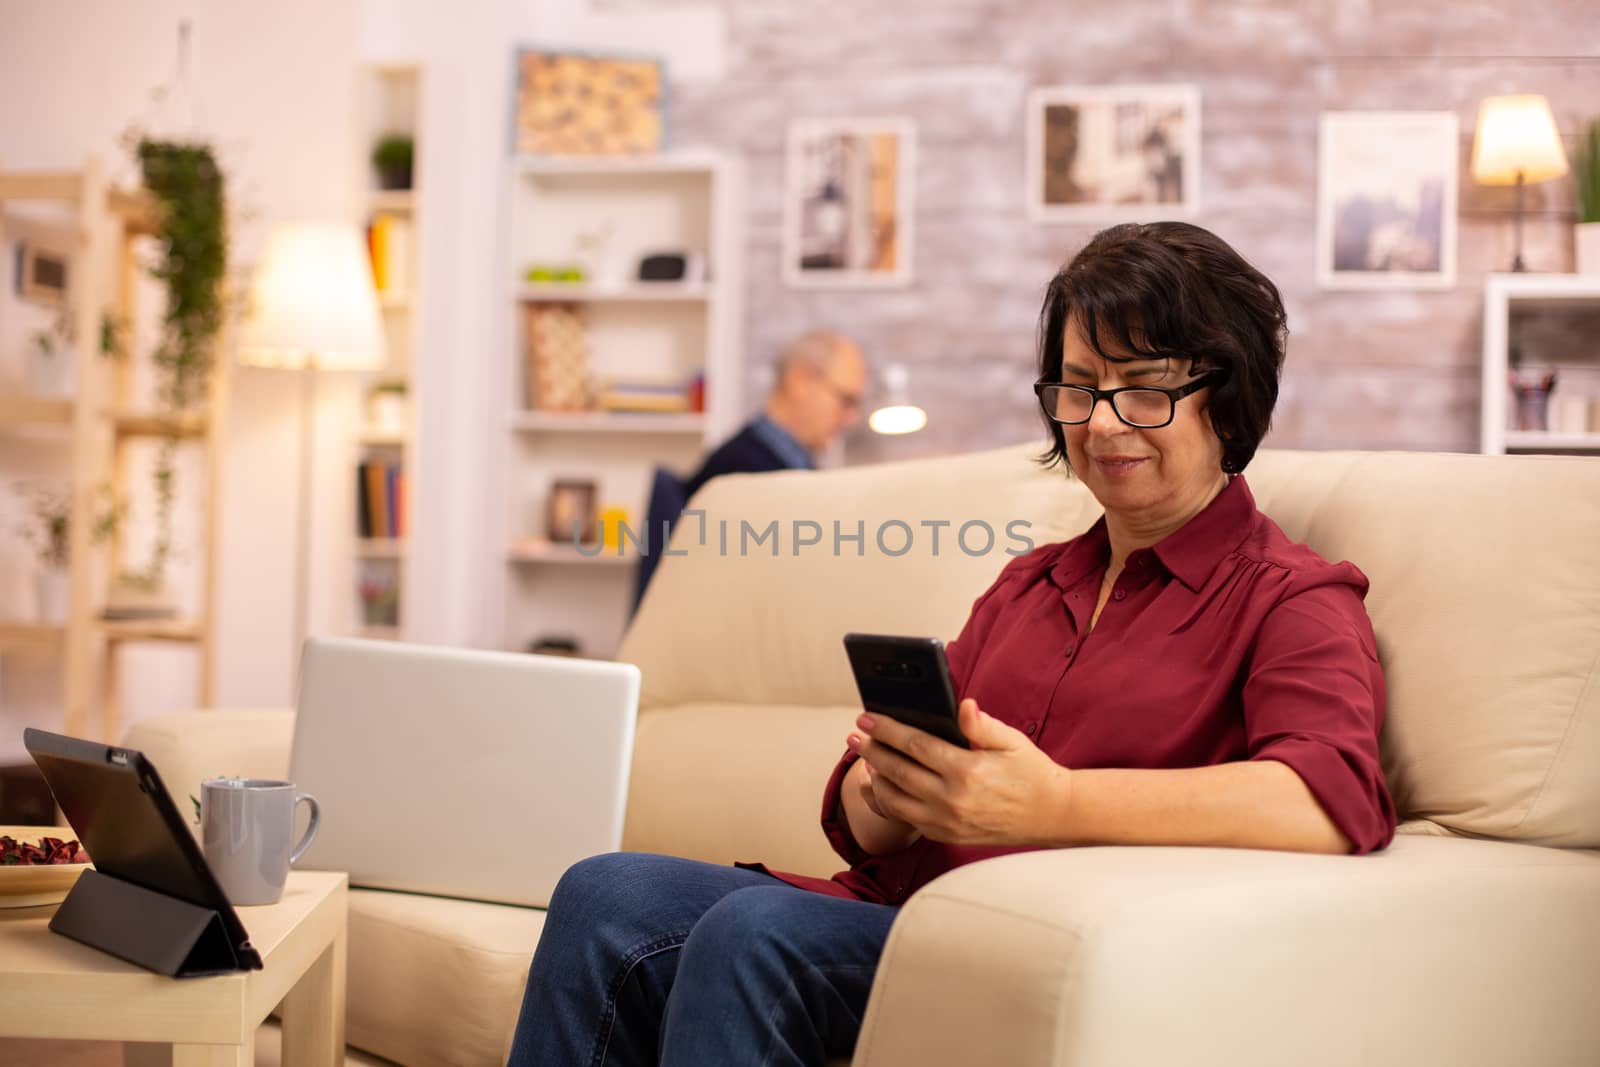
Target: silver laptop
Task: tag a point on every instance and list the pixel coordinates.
(481, 775)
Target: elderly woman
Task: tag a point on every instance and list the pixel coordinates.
(1181, 674)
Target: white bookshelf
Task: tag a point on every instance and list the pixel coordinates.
(1503, 294)
(392, 103)
(635, 293)
(380, 548)
(1545, 441)
(694, 162)
(545, 553)
(647, 332)
(605, 422)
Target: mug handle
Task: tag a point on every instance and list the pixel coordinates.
(311, 827)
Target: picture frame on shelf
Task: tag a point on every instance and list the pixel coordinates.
(43, 273)
(1113, 153)
(572, 103)
(1386, 199)
(849, 203)
(571, 512)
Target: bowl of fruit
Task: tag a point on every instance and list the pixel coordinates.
(38, 864)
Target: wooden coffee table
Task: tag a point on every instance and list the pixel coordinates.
(53, 987)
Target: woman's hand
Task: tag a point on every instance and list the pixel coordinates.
(1003, 791)
(877, 834)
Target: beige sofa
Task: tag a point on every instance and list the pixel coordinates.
(1474, 939)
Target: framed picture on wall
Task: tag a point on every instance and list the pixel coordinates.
(575, 104)
(848, 203)
(1386, 199)
(42, 273)
(1113, 153)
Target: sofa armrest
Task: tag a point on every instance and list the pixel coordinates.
(188, 747)
(1433, 951)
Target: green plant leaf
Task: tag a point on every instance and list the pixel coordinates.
(189, 187)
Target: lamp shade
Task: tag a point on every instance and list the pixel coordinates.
(897, 414)
(312, 302)
(1516, 135)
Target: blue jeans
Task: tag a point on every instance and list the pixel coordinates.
(653, 959)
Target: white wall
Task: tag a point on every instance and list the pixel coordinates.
(274, 90)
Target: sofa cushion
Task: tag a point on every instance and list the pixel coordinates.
(726, 782)
(189, 747)
(434, 981)
(1485, 598)
(747, 626)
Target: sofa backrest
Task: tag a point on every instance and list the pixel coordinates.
(1485, 599)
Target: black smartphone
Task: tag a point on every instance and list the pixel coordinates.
(907, 679)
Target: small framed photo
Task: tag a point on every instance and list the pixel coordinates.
(1386, 199)
(1127, 153)
(575, 104)
(570, 513)
(848, 203)
(43, 273)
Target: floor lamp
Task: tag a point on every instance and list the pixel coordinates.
(312, 308)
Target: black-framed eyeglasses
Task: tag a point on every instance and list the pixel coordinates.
(1144, 407)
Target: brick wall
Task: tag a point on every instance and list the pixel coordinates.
(1368, 370)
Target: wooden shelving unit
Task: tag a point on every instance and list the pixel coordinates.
(18, 410)
(152, 630)
(103, 423)
(148, 424)
(31, 637)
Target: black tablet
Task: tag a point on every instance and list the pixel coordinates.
(115, 802)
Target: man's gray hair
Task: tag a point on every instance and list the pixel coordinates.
(813, 350)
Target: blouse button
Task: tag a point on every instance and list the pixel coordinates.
(1069, 650)
(1033, 728)
(1120, 594)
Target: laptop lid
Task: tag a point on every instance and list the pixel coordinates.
(461, 773)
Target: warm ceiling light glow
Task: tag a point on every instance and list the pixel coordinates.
(898, 418)
(897, 414)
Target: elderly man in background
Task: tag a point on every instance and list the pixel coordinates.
(818, 387)
(816, 395)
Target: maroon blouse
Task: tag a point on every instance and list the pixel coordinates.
(1224, 642)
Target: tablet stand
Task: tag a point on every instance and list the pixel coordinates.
(155, 931)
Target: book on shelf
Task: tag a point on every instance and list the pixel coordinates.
(651, 397)
(389, 244)
(380, 500)
(631, 403)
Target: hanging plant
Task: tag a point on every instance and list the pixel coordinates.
(189, 190)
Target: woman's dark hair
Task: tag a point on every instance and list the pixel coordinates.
(1168, 290)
